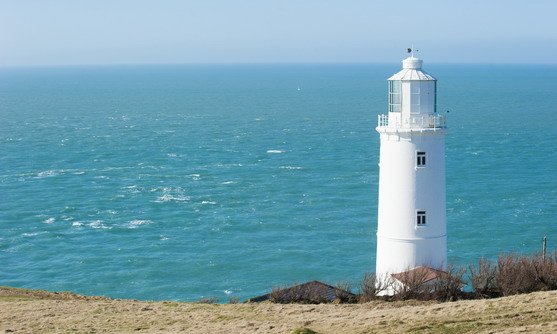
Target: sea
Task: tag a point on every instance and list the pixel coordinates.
(181, 182)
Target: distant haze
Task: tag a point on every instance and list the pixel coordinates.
(73, 32)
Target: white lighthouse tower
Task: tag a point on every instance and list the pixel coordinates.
(412, 229)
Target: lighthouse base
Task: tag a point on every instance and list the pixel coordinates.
(399, 255)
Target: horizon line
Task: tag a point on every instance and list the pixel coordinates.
(240, 63)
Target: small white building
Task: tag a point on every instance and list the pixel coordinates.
(412, 228)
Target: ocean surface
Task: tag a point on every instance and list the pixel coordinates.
(183, 182)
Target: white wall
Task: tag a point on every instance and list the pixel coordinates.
(404, 189)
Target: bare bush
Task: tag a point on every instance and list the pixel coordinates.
(279, 295)
(544, 272)
(510, 275)
(372, 287)
(513, 275)
(344, 294)
(448, 286)
(233, 300)
(518, 275)
(412, 284)
(208, 300)
(484, 279)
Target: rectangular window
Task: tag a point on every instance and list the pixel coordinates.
(415, 97)
(420, 159)
(435, 96)
(420, 218)
(395, 98)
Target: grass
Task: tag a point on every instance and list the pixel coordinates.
(517, 313)
(447, 328)
(303, 330)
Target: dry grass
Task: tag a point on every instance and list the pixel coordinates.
(23, 311)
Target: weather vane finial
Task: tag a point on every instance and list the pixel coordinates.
(411, 50)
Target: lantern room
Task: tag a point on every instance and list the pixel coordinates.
(411, 91)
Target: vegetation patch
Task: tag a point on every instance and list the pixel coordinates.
(509, 275)
(303, 330)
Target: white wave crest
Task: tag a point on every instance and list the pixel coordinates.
(98, 224)
(171, 195)
(49, 220)
(291, 167)
(209, 202)
(134, 189)
(171, 198)
(47, 173)
(275, 151)
(137, 222)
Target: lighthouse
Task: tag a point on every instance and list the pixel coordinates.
(412, 225)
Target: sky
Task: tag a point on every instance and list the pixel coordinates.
(75, 32)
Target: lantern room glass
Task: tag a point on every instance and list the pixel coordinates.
(395, 97)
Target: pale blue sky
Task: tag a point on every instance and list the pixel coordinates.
(71, 32)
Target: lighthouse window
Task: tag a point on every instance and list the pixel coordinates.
(395, 103)
(415, 96)
(420, 159)
(420, 218)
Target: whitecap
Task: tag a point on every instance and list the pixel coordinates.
(170, 198)
(209, 202)
(137, 222)
(77, 224)
(30, 234)
(134, 189)
(195, 177)
(172, 155)
(49, 220)
(171, 195)
(47, 173)
(228, 292)
(98, 224)
(291, 167)
(228, 182)
(275, 151)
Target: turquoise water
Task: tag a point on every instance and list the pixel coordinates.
(179, 182)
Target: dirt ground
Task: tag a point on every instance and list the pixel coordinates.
(32, 311)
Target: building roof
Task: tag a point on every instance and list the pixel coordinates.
(418, 275)
(313, 291)
(412, 74)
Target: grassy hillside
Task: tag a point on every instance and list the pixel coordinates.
(31, 311)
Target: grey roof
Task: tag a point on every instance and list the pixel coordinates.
(313, 291)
